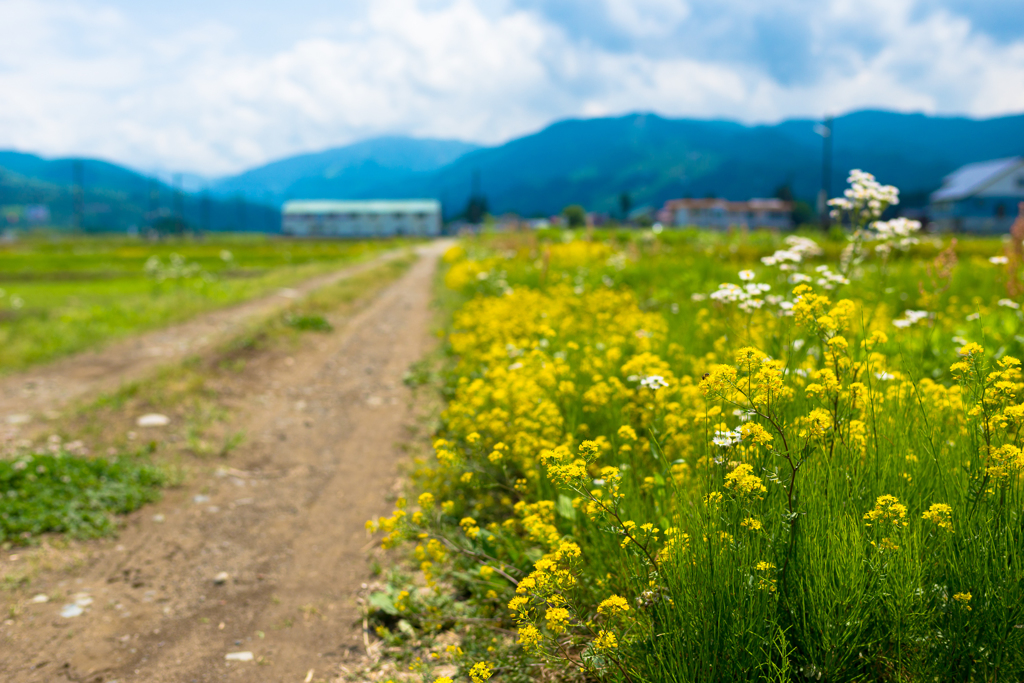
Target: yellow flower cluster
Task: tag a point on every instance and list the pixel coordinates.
(596, 451)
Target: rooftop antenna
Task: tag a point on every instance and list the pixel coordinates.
(824, 129)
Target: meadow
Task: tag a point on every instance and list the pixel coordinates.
(60, 293)
(741, 456)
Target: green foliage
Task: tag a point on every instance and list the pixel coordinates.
(60, 295)
(71, 494)
(308, 323)
(575, 215)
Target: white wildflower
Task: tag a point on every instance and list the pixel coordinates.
(653, 382)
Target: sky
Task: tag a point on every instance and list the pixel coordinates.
(213, 87)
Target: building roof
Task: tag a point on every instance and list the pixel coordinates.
(304, 206)
(972, 178)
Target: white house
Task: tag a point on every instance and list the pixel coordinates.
(377, 218)
(980, 197)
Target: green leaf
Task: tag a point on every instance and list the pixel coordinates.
(564, 507)
(382, 602)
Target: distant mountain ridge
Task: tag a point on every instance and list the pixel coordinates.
(115, 198)
(352, 170)
(653, 158)
(594, 161)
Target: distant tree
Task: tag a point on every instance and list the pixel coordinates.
(575, 215)
(784, 192)
(476, 209)
(170, 225)
(802, 213)
(625, 204)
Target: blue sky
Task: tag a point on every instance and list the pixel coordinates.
(213, 87)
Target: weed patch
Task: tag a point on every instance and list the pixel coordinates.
(308, 323)
(71, 494)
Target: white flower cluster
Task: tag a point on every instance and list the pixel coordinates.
(727, 438)
(828, 279)
(799, 247)
(998, 260)
(910, 318)
(653, 382)
(1009, 303)
(899, 233)
(747, 296)
(865, 199)
(176, 268)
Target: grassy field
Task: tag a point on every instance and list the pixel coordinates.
(707, 457)
(59, 488)
(61, 294)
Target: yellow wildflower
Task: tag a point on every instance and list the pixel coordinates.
(480, 672)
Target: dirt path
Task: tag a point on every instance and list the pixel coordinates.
(43, 392)
(283, 517)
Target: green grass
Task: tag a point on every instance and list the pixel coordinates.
(71, 494)
(308, 323)
(60, 294)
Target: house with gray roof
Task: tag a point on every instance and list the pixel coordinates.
(980, 197)
(377, 218)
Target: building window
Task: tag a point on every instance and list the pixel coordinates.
(1000, 210)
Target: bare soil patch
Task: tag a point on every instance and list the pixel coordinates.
(264, 550)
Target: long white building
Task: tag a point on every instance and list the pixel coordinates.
(383, 218)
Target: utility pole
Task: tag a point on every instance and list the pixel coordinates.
(78, 192)
(825, 131)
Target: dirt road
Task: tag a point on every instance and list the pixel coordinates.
(282, 518)
(43, 392)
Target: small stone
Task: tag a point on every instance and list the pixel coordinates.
(221, 578)
(239, 657)
(153, 420)
(200, 499)
(83, 599)
(71, 611)
(158, 518)
(18, 419)
(42, 597)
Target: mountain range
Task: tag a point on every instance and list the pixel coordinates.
(594, 162)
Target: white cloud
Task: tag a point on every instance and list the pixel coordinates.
(645, 18)
(82, 80)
